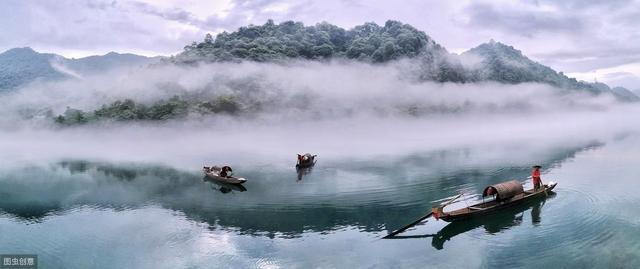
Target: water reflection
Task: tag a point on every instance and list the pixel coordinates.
(303, 172)
(365, 194)
(224, 187)
(493, 223)
(73, 211)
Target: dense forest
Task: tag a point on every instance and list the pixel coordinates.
(369, 42)
(268, 42)
(129, 110)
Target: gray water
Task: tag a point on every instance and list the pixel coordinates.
(91, 214)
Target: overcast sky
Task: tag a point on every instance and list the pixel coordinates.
(586, 39)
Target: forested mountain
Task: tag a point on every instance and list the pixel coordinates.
(395, 46)
(492, 61)
(20, 66)
(503, 63)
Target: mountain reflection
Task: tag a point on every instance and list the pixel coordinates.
(370, 196)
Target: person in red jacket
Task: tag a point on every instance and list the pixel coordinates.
(535, 175)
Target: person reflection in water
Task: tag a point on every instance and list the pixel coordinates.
(535, 213)
(535, 176)
(492, 225)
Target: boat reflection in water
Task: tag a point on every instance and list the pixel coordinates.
(303, 172)
(493, 223)
(223, 187)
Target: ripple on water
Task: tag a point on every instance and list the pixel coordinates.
(569, 227)
(266, 263)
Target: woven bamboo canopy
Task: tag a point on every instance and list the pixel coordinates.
(504, 190)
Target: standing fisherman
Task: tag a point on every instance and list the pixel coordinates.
(535, 175)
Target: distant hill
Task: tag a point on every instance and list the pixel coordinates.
(503, 63)
(625, 93)
(111, 60)
(20, 66)
(492, 61)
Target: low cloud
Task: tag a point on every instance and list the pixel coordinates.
(335, 109)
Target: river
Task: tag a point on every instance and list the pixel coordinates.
(77, 213)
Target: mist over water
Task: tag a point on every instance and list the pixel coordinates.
(388, 147)
(337, 109)
(299, 90)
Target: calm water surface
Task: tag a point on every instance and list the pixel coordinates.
(88, 214)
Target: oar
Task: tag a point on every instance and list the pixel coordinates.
(419, 220)
(451, 201)
(408, 226)
(412, 236)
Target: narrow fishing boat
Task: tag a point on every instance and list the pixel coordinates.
(224, 174)
(505, 195)
(495, 223)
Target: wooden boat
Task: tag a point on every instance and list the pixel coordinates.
(214, 173)
(497, 222)
(306, 161)
(506, 194)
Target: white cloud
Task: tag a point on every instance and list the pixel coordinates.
(627, 75)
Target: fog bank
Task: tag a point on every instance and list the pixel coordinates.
(339, 110)
(292, 91)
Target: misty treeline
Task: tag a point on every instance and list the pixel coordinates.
(128, 110)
